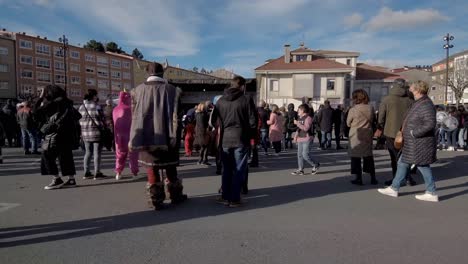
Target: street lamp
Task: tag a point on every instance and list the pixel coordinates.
(63, 49)
(447, 47)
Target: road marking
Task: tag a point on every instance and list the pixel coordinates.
(7, 206)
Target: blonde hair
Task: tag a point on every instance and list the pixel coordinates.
(421, 87)
(201, 107)
(274, 108)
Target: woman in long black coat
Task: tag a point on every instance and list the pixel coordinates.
(201, 133)
(419, 144)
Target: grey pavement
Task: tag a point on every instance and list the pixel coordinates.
(286, 219)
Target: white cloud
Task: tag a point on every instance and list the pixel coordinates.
(353, 20)
(389, 20)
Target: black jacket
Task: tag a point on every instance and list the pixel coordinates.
(237, 117)
(325, 119)
(264, 116)
(291, 115)
(25, 119)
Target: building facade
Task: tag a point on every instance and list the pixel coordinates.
(7, 66)
(317, 74)
(41, 62)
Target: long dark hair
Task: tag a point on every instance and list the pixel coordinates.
(52, 92)
(90, 94)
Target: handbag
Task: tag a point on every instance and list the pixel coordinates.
(399, 142)
(106, 134)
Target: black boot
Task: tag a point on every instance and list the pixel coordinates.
(156, 195)
(175, 190)
(358, 180)
(373, 180)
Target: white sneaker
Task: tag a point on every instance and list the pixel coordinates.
(118, 176)
(450, 149)
(388, 191)
(428, 197)
(460, 149)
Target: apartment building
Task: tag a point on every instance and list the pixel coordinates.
(41, 62)
(7, 66)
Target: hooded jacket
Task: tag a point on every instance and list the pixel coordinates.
(291, 115)
(392, 110)
(237, 117)
(122, 117)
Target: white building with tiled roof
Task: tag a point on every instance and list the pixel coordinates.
(317, 74)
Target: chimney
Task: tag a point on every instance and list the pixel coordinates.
(45, 38)
(3, 29)
(287, 53)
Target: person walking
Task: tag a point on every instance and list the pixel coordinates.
(325, 121)
(276, 123)
(92, 123)
(264, 116)
(290, 127)
(360, 120)
(158, 142)
(337, 118)
(122, 121)
(202, 136)
(57, 120)
(304, 137)
(109, 121)
(419, 144)
(28, 129)
(238, 122)
(392, 111)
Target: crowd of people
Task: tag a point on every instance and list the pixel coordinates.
(147, 126)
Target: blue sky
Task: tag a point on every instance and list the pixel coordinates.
(242, 34)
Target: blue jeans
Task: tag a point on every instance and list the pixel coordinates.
(303, 153)
(326, 139)
(234, 172)
(442, 136)
(29, 139)
(264, 139)
(461, 137)
(92, 149)
(452, 138)
(403, 170)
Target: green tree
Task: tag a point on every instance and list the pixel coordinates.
(195, 69)
(114, 47)
(94, 45)
(137, 54)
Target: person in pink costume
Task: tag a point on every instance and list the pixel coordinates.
(122, 116)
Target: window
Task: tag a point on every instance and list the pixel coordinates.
(433, 88)
(348, 61)
(274, 86)
(75, 80)
(43, 77)
(115, 63)
(90, 81)
(3, 67)
(103, 84)
(441, 76)
(26, 74)
(102, 61)
(126, 86)
(126, 75)
(126, 65)
(59, 66)
(74, 67)
(101, 72)
(75, 92)
(90, 58)
(42, 49)
(27, 89)
(115, 74)
(3, 51)
(24, 59)
(59, 78)
(330, 84)
(441, 97)
(90, 69)
(301, 57)
(75, 54)
(25, 44)
(116, 86)
(42, 63)
(3, 85)
(58, 52)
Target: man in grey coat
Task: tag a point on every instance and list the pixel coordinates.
(325, 121)
(392, 111)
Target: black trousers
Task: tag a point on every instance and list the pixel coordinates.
(337, 135)
(203, 154)
(65, 158)
(369, 166)
(277, 146)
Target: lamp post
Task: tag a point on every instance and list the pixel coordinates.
(63, 48)
(447, 46)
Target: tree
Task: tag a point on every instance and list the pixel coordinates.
(195, 69)
(94, 45)
(203, 71)
(137, 54)
(458, 84)
(114, 47)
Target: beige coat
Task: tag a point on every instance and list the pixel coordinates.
(360, 119)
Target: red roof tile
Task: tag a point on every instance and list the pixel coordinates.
(318, 64)
(368, 72)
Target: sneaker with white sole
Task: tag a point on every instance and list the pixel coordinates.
(315, 169)
(118, 176)
(428, 197)
(388, 191)
(70, 183)
(297, 172)
(56, 183)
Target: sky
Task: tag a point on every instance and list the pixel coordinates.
(240, 35)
